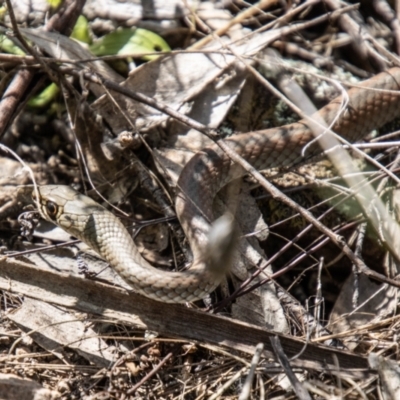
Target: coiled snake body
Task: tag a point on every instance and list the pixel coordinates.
(205, 174)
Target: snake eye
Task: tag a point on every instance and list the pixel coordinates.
(51, 209)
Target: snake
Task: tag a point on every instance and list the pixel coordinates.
(371, 104)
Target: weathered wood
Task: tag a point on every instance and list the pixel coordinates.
(169, 319)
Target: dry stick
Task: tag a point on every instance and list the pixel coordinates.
(284, 20)
(390, 18)
(169, 319)
(361, 330)
(150, 374)
(366, 195)
(319, 125)
(361, 46)
(92, 77)
(246, 390)
(26, 46)
(244, 288)
(152, 185)
(361, 237)
(393, 58)
(249, 12)
(275, 193)
(150, 182)
(295, 51)
(30, 60)
(299, 389)
(226, 385)
(295, 28)
(342, 161)
(41, 249)
(15, 92)
(288, 30)
(63, 21)
(12, 96)
(278, 195)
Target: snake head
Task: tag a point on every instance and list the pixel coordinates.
(65, 207)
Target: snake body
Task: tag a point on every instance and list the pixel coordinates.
(200, 180)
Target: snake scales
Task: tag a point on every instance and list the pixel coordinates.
(205, 174)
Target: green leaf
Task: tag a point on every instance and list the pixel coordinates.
(3, 12)
(81, 30)
(7, 46)
(54, 3)
(44, 98)
(130, 41)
